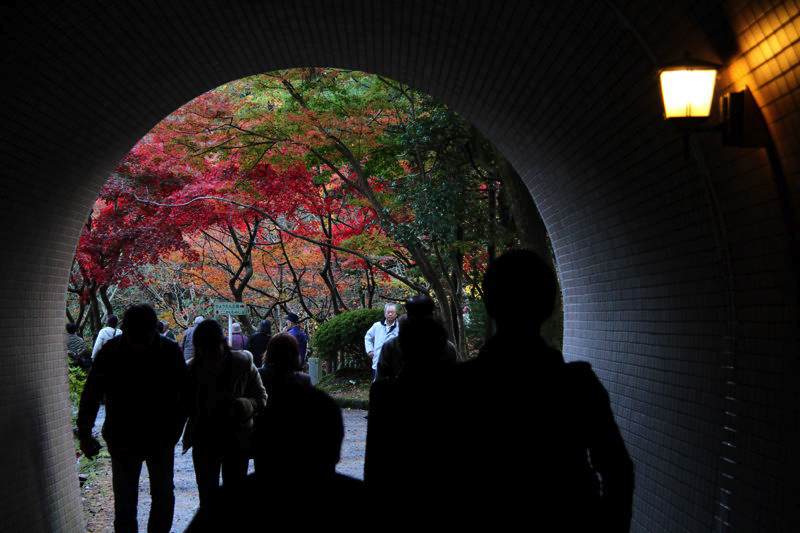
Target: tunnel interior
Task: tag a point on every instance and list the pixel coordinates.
(677, 255)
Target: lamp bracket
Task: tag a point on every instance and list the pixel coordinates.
(742, 122)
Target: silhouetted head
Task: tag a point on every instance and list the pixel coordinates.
(265, 327)
(420, 306)
(423, 342)
(302, 435)
(519, 290)
(292, 319)
(112, 321)
(283, 353)
(162, 326)
(72, 327)
(140, 324)
(209, 341)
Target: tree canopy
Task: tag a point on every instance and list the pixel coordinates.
(316, 191)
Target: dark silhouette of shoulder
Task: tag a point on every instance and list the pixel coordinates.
(262, 503)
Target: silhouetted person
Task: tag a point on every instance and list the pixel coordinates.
(295, 485)
(77, 351)
(390, 362)
(141, 376)
(539, 440)
(281, 368)
(409, 433)
(225, 393)
(106, 334)
(257, 343)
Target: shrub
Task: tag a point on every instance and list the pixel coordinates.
(77, 379)
(341, 338)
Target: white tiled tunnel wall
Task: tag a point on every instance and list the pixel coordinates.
(663, 285)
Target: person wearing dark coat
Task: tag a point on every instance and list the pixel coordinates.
(281, 370)
(539, 439)
(390, 363)
(225, 394)
(294, 328)
(77, 351)
(257, 343)
(140, 376)
(409, 426)
(296, 484)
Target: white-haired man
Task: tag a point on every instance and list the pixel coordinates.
(379, 333)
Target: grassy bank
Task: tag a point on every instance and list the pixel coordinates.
(350, 388)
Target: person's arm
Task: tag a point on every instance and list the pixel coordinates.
(609, 455)
(93, 391)
(369, 341)
(101, 339)
(255, 395)
(390, 358)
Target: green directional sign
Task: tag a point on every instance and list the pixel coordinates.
(230, 308)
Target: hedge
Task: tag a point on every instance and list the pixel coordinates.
(341, 338)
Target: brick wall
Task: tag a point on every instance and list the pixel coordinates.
(679, 283)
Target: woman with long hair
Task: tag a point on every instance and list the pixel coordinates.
(225, 395)
(281, 369)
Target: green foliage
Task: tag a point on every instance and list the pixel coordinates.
(475, 327)
(344, 334)
(77, 378)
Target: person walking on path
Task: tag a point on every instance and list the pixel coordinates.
(77, 351)
(141, 377)
(188, 345)
(538, 440)
(281, 370)
(303, 445)
(165, 331)
(409, 433)
(238, 340)
(391, 361)
(280, 376)
(294, 329)
(106, 334)
(257, 343)
(225, 393)
(380, 332)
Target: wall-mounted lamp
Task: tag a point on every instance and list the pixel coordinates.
(687, 91)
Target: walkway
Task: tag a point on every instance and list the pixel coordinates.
(352, 464)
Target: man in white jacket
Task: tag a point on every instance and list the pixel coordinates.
(379, 333)
(106, 334)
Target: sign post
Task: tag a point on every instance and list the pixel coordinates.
(230, 308)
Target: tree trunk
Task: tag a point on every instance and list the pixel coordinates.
(94, 311)
(103, 292)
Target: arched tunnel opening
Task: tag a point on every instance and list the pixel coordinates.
(245, 196)
(678, 266)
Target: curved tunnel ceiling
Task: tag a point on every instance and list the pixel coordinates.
(675, 260)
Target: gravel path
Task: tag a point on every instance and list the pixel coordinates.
(355, 440)
(351, 464)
